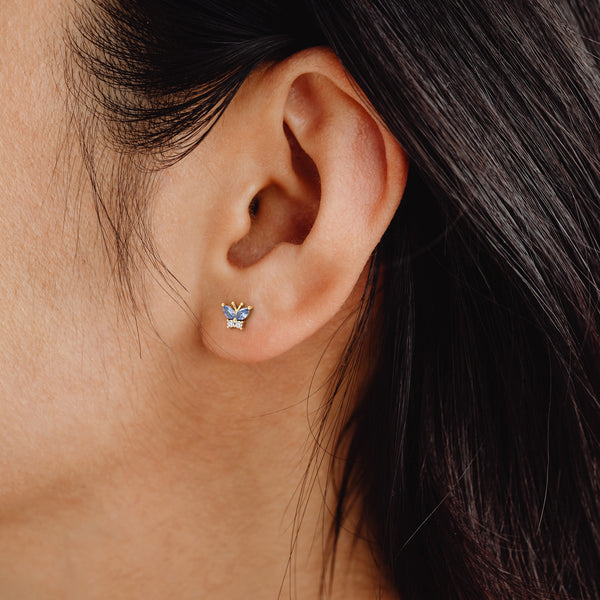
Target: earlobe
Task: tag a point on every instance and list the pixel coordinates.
(317, 184)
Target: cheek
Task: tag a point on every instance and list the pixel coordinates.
(57, 307)
(35, 180)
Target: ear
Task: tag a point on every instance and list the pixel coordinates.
(285, 201)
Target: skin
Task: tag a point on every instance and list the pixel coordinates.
(160, 455)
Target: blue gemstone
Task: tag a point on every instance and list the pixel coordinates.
(229, 312)
(242, 314)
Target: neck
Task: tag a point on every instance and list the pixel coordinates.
(200, 495)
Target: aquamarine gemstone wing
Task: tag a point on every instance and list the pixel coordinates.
(229, 312)
(242, 314)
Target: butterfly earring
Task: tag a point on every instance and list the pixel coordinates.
(236, 315)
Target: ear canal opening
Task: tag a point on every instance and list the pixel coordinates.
(283, 212)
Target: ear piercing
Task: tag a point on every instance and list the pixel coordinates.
(236, 315)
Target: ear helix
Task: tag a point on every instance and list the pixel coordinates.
(236, 315)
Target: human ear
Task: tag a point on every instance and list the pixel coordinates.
(299, 181)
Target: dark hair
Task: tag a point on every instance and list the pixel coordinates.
(474, 449)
